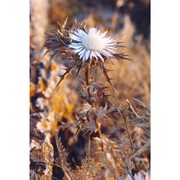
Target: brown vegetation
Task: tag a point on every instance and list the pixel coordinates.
(87, 130)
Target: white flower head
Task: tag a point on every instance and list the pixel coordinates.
(80, 46)
(92, 44)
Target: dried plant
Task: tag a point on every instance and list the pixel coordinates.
(94, 138)
(88, 51)
(81, 49)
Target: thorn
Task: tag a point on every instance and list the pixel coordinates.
(110, 61)
(111, 79)
(47, 51)
(131, 107)
(64, 68)
(58, 83)
(60, 75)
(65, 23)
(109, 70)
(79, 68)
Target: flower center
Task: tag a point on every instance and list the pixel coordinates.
(93, 42)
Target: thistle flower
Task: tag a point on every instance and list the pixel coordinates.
(92, 44)
(83, 47)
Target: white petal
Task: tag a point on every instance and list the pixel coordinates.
(94, 54)
(106, 53)
(78, 50)
(84, 58)
(75, 45)
(82, 53)
(110, 48)
(99, 55)
(92, 30)
(91, 55)
(77, 34)
(109, 40)
(87, 54)
(81, 33)
(111, 51)
(76, 38)
(109, 44)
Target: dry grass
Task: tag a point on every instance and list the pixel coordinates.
(71, 139)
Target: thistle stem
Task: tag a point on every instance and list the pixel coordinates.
(87, 75)
(88, 81)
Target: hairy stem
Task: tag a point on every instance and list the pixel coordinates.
(87, 75)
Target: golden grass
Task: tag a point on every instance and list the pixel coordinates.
(67, 140)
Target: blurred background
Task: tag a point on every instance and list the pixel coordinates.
(126, 20)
